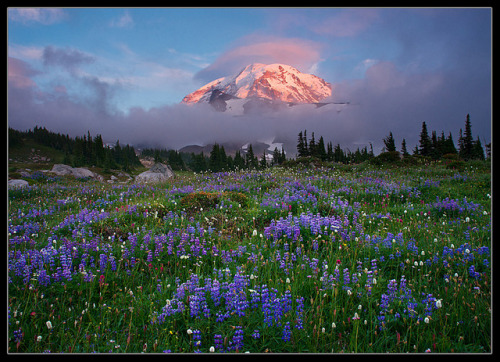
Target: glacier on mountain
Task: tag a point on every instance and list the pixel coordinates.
(260, 86)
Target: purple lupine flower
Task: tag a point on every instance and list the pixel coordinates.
(287, 333)
(219, 342)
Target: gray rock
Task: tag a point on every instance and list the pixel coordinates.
(24, 173)
(157, 173)
(61, 170)
(18, 184)
(82, 172)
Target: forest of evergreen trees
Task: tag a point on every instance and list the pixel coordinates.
(433, 147)
(317, 150)
(80, 151)
(216, 161)
(90, 151)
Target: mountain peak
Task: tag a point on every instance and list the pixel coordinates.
(274, 82)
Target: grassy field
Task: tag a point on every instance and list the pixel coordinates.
(336, 259)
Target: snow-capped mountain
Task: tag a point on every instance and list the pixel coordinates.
(260, 85)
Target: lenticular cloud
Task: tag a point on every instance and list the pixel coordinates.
(299, 53)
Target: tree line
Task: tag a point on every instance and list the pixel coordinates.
(311, 148)
(80, 151)
(216, 161)
(433, 147)
(437, 147)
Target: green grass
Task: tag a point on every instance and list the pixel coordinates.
(279, 232)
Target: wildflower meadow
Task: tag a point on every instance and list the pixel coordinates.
(340, 258)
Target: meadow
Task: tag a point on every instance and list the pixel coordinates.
(344, 258)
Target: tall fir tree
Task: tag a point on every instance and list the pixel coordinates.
(425, 142)
(263, 161)
(238, 162)
(477, 150)
(215, 161)
(312, 147)
(404, 151)
(460, 143)
(467, 140)
(449, 145)
(306, 148)
(389, 143)
(329, 151)
(300, 146)
(276, 156)
(250, 159)
(320, 147)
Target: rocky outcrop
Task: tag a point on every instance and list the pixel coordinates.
(17, 184)
(78, 172)
(157, 173)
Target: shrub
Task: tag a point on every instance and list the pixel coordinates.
(456, 165)
(199, 199)
(385, 158)
(238, 197)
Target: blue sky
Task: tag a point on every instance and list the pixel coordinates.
(108, 70)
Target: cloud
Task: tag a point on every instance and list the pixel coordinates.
(19, 74)
(68, 59)
(122, 22)
(44, 16)
(25, 52)
(386, 100)
(299, 53)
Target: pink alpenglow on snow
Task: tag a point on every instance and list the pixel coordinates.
(277, 82)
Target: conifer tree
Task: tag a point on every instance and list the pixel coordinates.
(390, 146)
(460, 143)
(250, 159)
(300, 146)
(415, 150)
(321, 153)
(214, 163)
(329, 151)
(425, 142)
(157, 158)
(404, 151)
(306, 149)
(435, 149)
(449, 145)
(276, 156)
(467, 140)
(477, 150)
(263, 162)
(338, 154)
(238, 162)
(312, 147)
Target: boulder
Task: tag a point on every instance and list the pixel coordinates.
(157, 173)
(61, 170)
(78, 172)
(18, 184)
(24, 173)
(82, 172)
